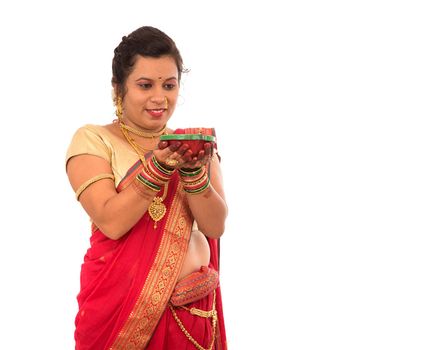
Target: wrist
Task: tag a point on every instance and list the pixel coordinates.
(154, 176)
(195, 181)
(164, 165)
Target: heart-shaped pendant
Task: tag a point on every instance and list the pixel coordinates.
(157, 210)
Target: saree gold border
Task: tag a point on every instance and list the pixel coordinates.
(161, 279)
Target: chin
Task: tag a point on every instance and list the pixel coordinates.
(156, 125)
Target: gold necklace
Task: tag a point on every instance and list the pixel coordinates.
(138, 149)
(134, 144)
(156, 209)
(145, 134)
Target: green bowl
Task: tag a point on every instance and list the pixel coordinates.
(183, 137)
(196, 142)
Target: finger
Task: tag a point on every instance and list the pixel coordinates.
(201, 155)
(197, 164)
(205, 160)
(163, 154)
(174, 146)
(190, 165)
(162, 144)
(208, 149)
(187, 156)
(183, 149)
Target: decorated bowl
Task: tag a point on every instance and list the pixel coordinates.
(195, 138)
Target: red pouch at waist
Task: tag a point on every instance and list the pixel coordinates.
(195, 286)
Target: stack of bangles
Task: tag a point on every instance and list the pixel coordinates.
(153, 175)
(195, 181)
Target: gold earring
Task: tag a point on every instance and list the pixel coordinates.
(119, 108)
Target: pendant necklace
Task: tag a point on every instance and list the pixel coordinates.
(156, 209)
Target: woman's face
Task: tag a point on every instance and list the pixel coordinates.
(152, 89)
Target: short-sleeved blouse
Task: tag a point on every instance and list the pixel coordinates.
(97, 140)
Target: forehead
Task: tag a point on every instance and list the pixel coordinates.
(154, 67)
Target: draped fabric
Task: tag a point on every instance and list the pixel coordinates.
(126, 284)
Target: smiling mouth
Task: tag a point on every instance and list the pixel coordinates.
(156, 112)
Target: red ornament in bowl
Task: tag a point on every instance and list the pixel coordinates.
(196, 138)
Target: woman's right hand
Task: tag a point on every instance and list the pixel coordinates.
(182, 155)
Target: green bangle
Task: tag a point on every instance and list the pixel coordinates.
(147, 183)
(190, 172)
(199, 190)
(166, 170)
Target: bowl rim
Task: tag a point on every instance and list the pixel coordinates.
(198, 137)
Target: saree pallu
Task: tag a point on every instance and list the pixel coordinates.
(126, 284)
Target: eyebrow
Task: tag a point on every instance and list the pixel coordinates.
(145, 78)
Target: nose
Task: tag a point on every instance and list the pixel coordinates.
(159, 99)
(158, 96)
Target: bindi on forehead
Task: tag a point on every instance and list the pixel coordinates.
(159, 78)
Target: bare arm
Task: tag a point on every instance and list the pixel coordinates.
(209, 208)
(114, 213)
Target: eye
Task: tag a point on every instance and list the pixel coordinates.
(169, 86)
(145, 86)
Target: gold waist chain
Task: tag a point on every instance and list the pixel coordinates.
(201, 313)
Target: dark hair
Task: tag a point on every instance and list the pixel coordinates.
(145, 41)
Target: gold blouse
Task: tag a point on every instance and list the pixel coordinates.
(96, 140)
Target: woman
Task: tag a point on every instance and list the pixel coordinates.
(149, 279)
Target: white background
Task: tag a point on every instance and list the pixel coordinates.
(317, 106)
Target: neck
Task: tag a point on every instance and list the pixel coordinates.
(142, 132)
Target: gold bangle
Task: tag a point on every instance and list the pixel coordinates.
(89, 182)
(197, 182)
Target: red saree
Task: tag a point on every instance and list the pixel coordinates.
(126, 285)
